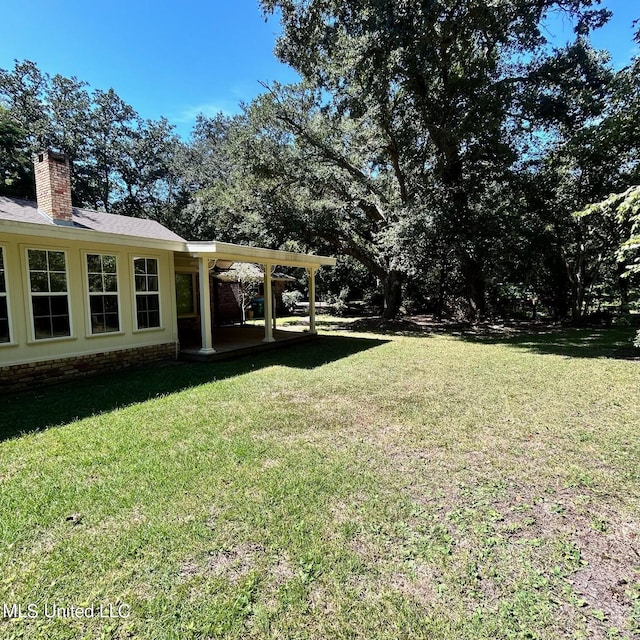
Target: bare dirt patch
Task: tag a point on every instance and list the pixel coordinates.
(231, 564)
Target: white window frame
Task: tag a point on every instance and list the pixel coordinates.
(89, 293)
(32, 294)
(5, 294)
(136, 293)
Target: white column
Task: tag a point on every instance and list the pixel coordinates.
(205, 306)
(268, 305)
(312, 300)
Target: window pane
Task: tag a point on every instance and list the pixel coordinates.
(141, 303)
(40, 305)
(152, 283)
(139, 265)
(110, 283)
(141, 283)
(60, 326)
(95, 283)
(96, 304)
(56, 261)
(59, 305)
(109, 264)
(152, 266)
(93, 263)
(39, 281)
(47, 274)
(37, 260)
(42, 327)
(111, 322)
(148, 311)
(3, 287)
(110, 304)
(58, 282)
(4, 320)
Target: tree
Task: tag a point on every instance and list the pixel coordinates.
(121, 162)
(145, 170)
(16, 176)
(417, 104)
(215, 200)
(624, 209)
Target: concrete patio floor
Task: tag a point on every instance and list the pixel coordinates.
(236, 340)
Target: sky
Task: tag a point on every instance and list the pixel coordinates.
(183, 57)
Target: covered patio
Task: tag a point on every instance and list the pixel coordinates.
(213, 342)
(237, 340)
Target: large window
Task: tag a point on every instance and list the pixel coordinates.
(4, 306)
(49, 294)
(147, 292)
(102, 277)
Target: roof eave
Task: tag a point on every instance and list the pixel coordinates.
(87, 235)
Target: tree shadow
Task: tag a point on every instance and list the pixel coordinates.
(596, 342)
(36, 410)
(572, 342)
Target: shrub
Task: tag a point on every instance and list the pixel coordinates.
(290, 299)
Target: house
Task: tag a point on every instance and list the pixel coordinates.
(84, 291)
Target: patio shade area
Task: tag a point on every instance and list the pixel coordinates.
(201, 258)
(231, 341)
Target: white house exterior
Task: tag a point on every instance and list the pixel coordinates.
(84, 291)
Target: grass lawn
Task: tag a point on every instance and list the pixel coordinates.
(366, 485)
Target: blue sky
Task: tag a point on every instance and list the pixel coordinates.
(178, 58)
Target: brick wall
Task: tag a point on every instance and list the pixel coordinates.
(53, 185)
(35, 374)
(228, 302)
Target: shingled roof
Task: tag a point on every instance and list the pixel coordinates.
(27, 211)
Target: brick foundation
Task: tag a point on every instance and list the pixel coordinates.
(34, 374)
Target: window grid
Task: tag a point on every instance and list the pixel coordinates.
(5, 334)
(147, 293)
(102, 281)
(49, 295)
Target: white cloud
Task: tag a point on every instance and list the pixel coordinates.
(209, 109)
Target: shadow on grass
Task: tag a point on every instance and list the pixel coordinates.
(594, 342)
(614, 343)
(30, 411)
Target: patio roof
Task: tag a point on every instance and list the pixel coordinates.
(241, 253)
(248, 272)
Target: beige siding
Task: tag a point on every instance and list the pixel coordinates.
(24, 348)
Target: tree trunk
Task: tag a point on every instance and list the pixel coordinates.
(474, 286)
(442, 288)
(392, 287)
(623, 289)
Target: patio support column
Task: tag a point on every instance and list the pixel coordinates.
(268, 305)
(311, 272)
(205, 306)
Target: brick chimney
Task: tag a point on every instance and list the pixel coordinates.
(53, 185)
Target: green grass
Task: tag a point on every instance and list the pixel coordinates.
(361, 486)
